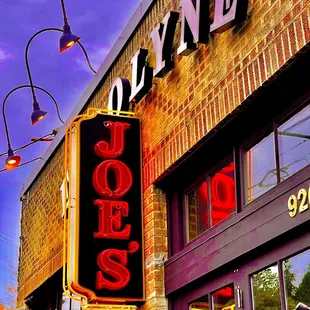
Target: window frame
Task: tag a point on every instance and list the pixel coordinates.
(244, 148)
(235, 151)
(206, 176)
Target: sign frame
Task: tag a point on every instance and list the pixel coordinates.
(88, 298)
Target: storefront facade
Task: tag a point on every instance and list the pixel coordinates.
(225, 158)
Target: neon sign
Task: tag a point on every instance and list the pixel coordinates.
(105, 259)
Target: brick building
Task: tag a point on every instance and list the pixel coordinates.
(225, 164)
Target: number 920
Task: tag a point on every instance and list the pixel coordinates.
(299, 203)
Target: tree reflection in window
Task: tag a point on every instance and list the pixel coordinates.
(297, 280)
(266, 289)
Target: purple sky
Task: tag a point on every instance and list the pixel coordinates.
(65, 76)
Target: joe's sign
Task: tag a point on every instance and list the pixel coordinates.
(105, 253)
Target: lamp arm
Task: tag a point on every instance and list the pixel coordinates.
(8, 95)
(27, 62)
(26, 56)
(86, 56)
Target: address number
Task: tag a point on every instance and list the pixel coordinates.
(299, 203)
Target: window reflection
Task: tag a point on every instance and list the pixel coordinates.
(294, 143)
(197, 210)
(266, 289)
(224, 299)
(201, 304)
(260, 172)
(297, 280)
(204, 211)
(223, 201)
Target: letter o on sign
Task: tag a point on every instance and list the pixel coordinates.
(123, 179)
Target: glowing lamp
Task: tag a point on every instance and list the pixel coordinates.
(67, 39)
(37, 114)
(12, 160)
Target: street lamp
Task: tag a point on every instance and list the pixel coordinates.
(12, 161)
(66, 41)
(37, 113)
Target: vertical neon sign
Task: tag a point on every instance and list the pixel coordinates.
(109, 254)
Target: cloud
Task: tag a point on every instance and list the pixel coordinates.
(87, 17)
(35, 1)
(96, 56)
(4, 55)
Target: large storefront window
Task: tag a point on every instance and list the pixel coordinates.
(211, 201)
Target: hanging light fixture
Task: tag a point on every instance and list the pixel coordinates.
(13, 160)
(67, 39)
(37, 114)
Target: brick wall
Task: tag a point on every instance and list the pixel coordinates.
(41, 229)
(180, 109)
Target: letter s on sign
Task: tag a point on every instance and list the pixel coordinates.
(113, 263)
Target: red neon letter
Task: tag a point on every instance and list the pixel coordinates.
(123, 179)
(112, 262)
(110, 219)
(116, 147)
(223, 191)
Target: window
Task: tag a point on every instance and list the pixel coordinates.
(222, 299)
(294, 143)
(201, 304)
(266, 289)
(260, 168)
(267, 285)
(260, 151)
(270, 161)
(297, 280)
(212, 201)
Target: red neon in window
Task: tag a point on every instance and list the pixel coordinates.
(223, 191)
(110, 219)
(116, 146)
(114, 274)
(123, 179)
(229, 168)
(225, 292)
